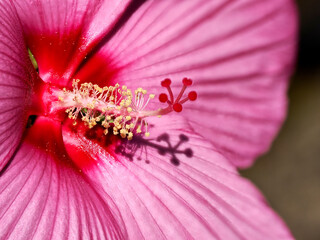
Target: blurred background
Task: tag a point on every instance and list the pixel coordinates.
(289, 174)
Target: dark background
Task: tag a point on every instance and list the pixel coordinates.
(289, 174)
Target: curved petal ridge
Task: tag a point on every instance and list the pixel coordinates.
(15, 80)
(201, 197)
(60, 33)
(255, 23)
(42, 197)
(240, 55)
(188, 207)
(163, 10)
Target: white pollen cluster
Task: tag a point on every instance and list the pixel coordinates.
(117, 108)
(112, 107)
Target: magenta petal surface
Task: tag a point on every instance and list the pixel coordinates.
(60, 33)
(239, 54)
(14, 82)
(199, 196)
(42, 197)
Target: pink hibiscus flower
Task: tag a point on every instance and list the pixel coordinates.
(61, 180)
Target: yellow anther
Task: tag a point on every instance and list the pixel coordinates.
(74, 123)
(116, 105)
(105, 124)
(130, 135)
(90, 105)
(123, 133)
(128, 103)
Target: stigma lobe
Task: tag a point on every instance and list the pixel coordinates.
(176, 104)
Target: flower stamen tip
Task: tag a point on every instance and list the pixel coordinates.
(163, 97)
(187, 82)
(118, 108)
(176, 103)
(177, 107)
(166, 82)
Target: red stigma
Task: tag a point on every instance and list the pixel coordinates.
(163, 97)
(166, 83)
(177, 107)
(192, 96)
(175, 103)
(187, 82)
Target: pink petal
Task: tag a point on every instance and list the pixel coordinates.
(201, 198)
(61, 33)
(15, 82)
(239, 53)
(42, 197)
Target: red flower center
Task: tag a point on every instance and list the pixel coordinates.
(117, 109)
(90, 117)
